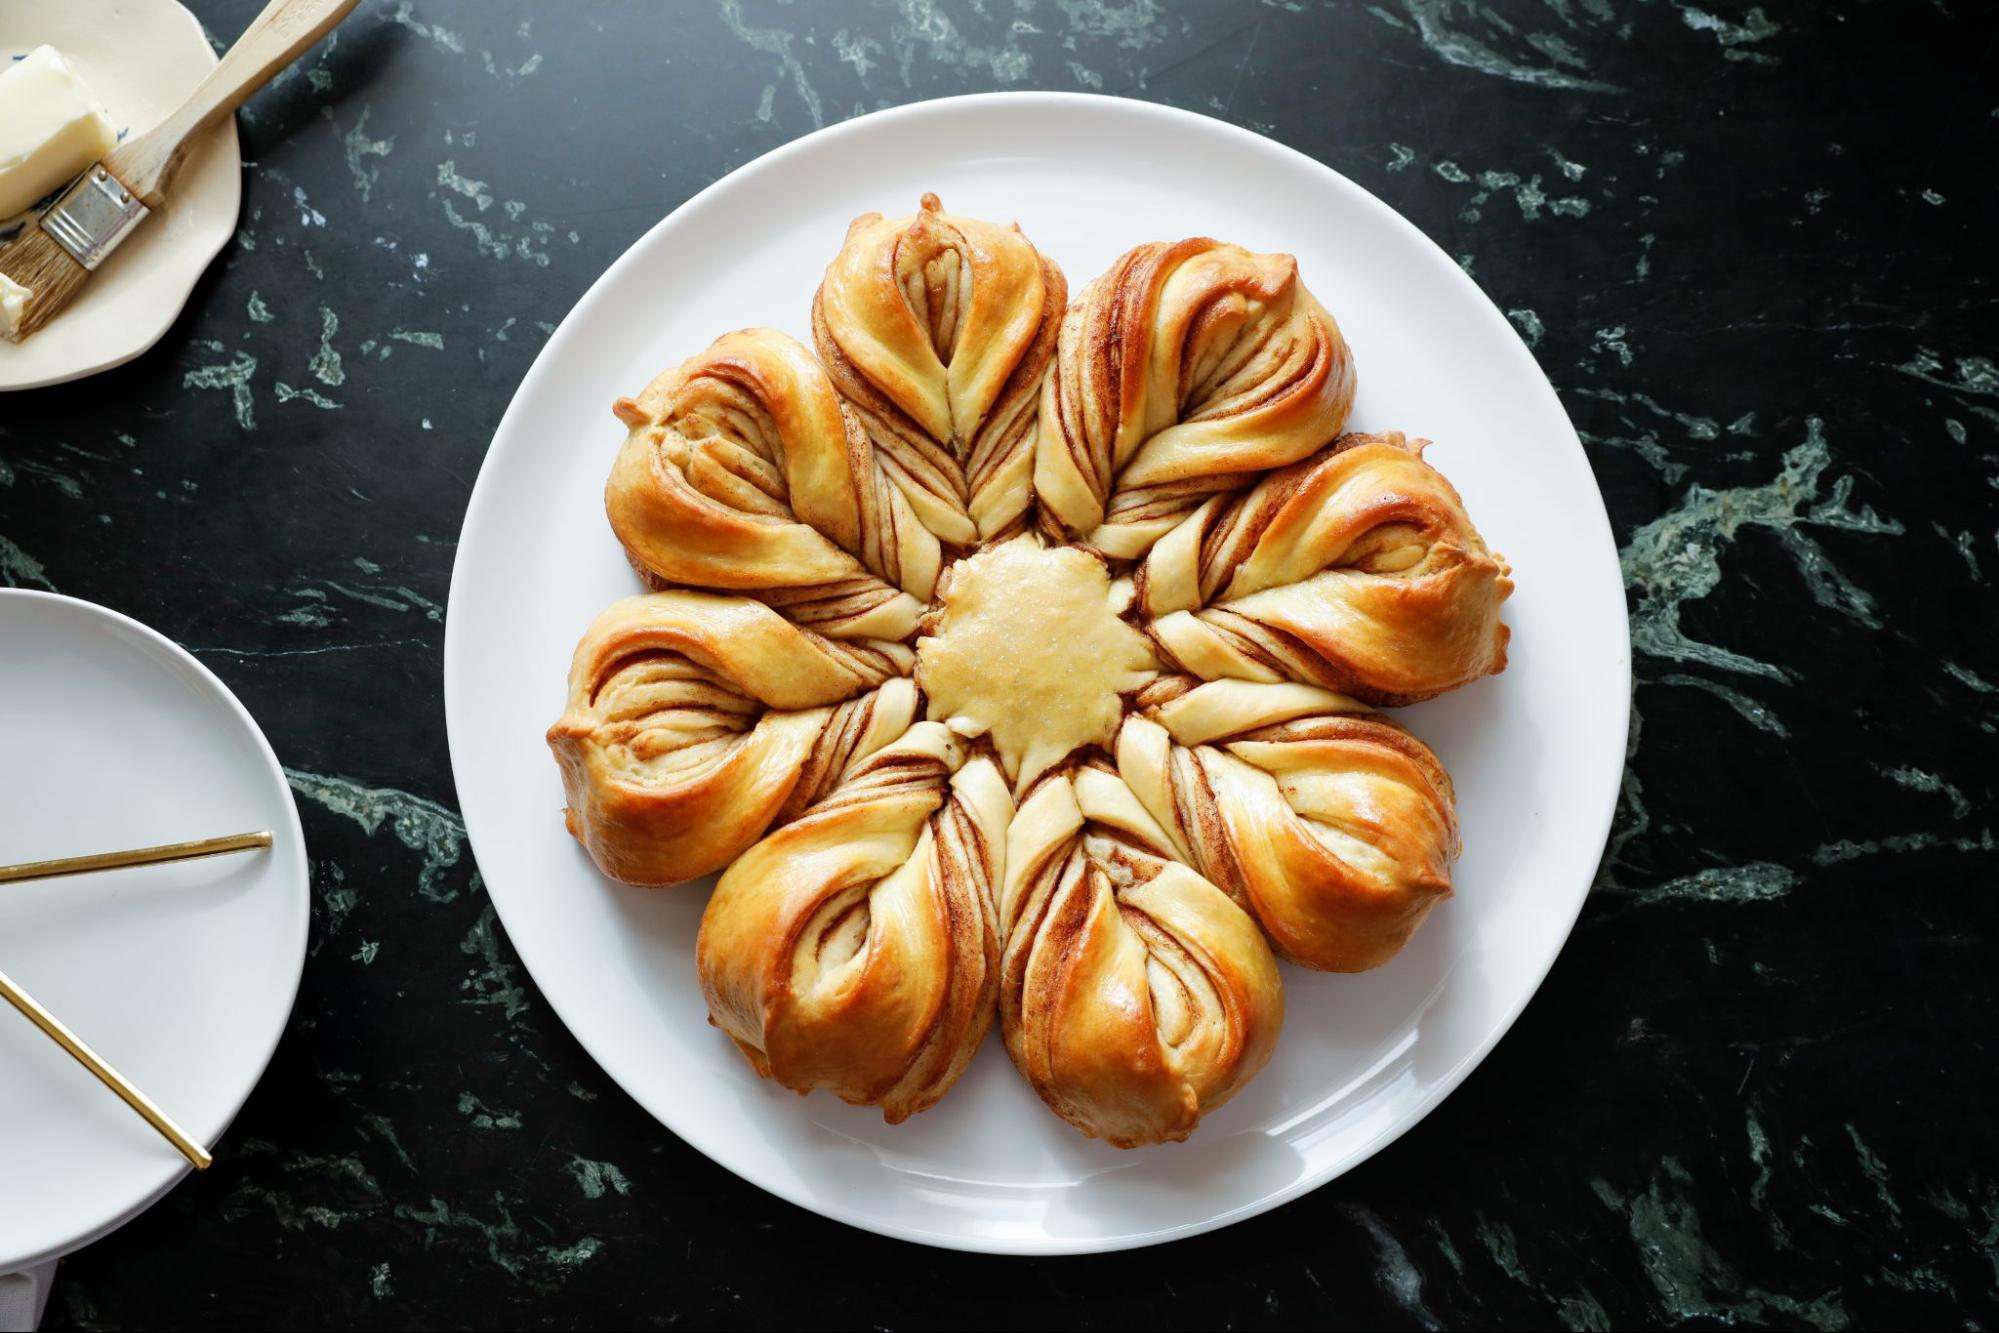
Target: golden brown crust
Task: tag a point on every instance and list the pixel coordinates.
(855, 949)
(1329, 822)
(743, 471)
(1135, 996)
(691, 720)
(937, 329)
(1185, 370)
(1356, 569)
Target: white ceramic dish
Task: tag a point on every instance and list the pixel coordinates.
(142, 57)
(181, 976)
(1536, 753)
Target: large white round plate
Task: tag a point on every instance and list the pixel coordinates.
(142, 58)
(1536, 753)
(180, 976)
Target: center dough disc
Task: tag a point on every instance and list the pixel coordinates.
(1029, 651)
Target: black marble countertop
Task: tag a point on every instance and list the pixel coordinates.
(1751, 245)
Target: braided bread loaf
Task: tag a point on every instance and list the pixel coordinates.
(1014, 658)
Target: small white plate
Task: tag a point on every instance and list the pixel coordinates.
(1536, 752)
(180, 976)
(142, 58)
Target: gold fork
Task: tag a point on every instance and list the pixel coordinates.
(57, 1031)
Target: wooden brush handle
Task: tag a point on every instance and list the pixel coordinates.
(147, 162)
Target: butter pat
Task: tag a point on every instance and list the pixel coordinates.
(13, 301)
(52, 128)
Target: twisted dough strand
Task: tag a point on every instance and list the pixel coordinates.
(696, 721)
(937, 329)
(1182, 371)
(855, 949)
(743, 471)
(1356, 569)
(1134, 995)
(1331, 824)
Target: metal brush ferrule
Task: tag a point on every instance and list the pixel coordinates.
(93, 217)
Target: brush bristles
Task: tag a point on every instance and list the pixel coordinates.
(49, 272)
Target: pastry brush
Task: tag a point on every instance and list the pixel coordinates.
(55, 257)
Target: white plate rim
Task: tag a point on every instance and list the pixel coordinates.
(292, 837)
(1607, 781)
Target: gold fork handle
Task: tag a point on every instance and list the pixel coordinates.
(110, 1077)
(138, 856)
